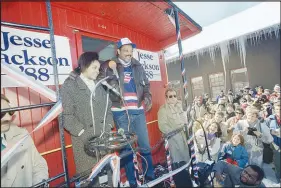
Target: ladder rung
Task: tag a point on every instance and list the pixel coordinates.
(25, 26)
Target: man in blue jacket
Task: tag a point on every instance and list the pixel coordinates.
(129, 112)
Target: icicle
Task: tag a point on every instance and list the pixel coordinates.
(242, 49)
(212, 53)
(197, 57)
(276, 29)
(224, 47)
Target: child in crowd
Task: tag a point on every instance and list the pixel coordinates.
(213, 139)
(234, 152)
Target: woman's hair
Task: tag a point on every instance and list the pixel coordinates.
(242, 141)
(85, 61)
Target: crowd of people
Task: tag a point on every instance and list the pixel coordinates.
(239, 131)
(242, 129)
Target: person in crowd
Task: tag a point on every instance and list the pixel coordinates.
(230, 111)
(213, 134)
(170, 117)
(234, 152)
(260, 91)
(243, 103)
(220, 96)
(219, 119)
(26, 167)
(266, 110)
(267, 93)
(230, 97)
(252, 92)
(129, 112)
(208, 116)
(276, 92)
(231, 122)
(199, 108)
(274, 125)
(246, 90)
(234, 176)
(77, 117)
(206, 99)
(248, 98)
(237, 97)
(255, 134)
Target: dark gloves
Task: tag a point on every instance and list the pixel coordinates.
(147, 103)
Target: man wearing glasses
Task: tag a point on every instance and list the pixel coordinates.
(170, 117)
(234, 176)
(26, 167)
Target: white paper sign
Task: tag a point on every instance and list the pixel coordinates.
(150, 63)
(30, 52)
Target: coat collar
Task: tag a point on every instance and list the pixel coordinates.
(82, 86)
(13, 132)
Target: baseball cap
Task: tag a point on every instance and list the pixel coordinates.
(125, 41)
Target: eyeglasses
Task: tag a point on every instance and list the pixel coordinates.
(249, 175)
(4, 113)
(171, 96)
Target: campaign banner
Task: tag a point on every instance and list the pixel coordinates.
(30, 53)
(150, 63)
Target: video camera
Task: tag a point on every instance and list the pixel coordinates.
(251, 131)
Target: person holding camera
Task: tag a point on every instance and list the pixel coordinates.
(255, 133)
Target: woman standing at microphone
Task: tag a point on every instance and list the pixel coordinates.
(77, 118)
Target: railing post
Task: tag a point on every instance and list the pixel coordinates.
(56, 80)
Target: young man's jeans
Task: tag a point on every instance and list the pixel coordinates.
(137, 126)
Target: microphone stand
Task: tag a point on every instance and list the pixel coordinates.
(91, 103)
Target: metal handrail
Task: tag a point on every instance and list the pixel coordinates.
(49, 180)
(13, 109)
(25, 26)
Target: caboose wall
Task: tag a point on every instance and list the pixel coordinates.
(67, 22)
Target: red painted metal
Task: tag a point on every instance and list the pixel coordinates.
(143, 22)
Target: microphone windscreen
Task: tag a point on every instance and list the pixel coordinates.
(112, 64)
(121, 131)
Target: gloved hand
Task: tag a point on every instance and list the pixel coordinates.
(147, 103)
(86, 135)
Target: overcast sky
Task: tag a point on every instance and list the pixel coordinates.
(206, 13)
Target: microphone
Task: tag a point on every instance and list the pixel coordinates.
(111, 88)
(122, 133)
(113, 65)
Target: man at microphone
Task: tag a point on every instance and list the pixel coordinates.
(129, 112)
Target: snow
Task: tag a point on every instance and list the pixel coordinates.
(252, 24)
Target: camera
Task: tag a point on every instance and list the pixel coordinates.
(251, 131)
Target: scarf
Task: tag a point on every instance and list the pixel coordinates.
(124, 63)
